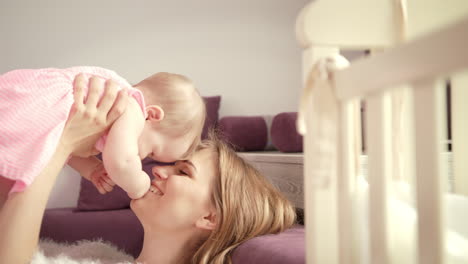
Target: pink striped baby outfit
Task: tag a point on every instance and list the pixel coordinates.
(34, 106)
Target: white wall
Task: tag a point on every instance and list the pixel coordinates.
(244, 50)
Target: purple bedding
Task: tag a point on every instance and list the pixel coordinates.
(122, 228)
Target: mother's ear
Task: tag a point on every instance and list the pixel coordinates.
(207, 222)
(154, 113)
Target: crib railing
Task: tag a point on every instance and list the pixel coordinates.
(413, 72)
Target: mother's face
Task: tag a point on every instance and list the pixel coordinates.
(180, 196)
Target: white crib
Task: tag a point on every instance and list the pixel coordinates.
(402, 213)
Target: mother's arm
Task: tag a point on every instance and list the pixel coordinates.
(21, 215)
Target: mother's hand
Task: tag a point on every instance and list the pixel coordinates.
(90, 117)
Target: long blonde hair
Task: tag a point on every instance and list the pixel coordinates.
(247, 206)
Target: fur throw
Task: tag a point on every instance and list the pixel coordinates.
(81, 252)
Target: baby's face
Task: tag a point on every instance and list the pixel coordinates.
(163, 148)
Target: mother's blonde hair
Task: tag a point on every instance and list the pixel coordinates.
(247, 206)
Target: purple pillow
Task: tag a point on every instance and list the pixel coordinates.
(286, 247)
(119, 227)
(284, 134)
(91, 200)
(212, 108)
(245, 133)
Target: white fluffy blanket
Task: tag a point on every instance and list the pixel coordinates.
(81, 252)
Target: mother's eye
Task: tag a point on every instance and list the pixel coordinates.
(183, 173)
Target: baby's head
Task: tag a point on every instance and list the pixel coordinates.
(176, 115)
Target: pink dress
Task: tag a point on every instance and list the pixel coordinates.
(34, 106)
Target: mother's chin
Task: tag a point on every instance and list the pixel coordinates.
(138, 206)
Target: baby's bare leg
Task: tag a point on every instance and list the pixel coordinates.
(5, 186)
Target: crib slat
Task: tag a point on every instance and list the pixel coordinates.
(459, 107)
(428, 141)
(401, 216)
(379, 153)
(349, 150)
(320, 201)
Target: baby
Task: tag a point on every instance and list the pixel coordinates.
(164, 122)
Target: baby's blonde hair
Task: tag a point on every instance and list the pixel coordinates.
(184, 108)
(247, 206)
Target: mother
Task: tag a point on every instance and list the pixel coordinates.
(197, 211)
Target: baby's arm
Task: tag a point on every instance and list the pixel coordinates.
(121, 156)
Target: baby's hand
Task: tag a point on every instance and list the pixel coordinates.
(101, 180)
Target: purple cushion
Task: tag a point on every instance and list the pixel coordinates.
(286, 247)
(284, 134)
(212, 108)
(123, 229)
(120, 227)
(245, 133)
(91, 200)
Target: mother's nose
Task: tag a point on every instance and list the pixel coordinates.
(160, 172)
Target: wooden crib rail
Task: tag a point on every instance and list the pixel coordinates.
(435, 54)
(436, 47)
